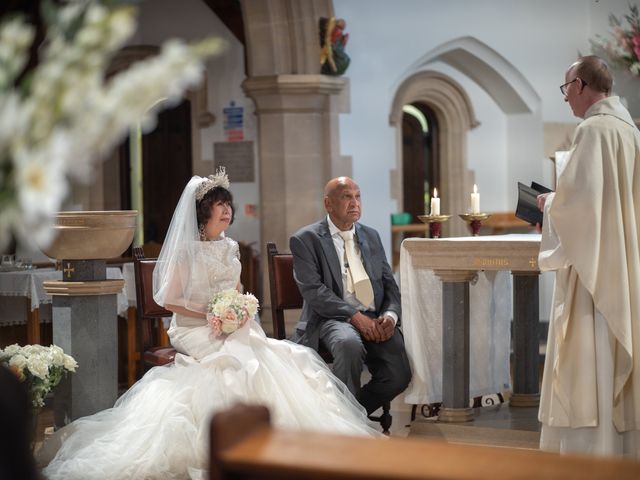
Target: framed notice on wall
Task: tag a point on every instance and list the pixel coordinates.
(237, 158)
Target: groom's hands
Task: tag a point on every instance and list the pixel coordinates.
(387, 326)
(374, 330)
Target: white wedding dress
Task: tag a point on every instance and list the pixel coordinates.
(159, 427)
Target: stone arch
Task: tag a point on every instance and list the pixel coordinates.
(502, 81)
(505, 84)
(456, 117)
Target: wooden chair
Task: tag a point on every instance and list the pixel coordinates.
(249, 276)
(152, 249)
(149, 312)
(285, 295)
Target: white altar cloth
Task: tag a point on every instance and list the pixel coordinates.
(490, 316)
(17, 285)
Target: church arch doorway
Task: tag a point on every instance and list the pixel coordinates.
(420, 159)
(425, 82)
(454, 116)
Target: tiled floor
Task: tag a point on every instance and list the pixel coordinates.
(499, 425)
(401, 413)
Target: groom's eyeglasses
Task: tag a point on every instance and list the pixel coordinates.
(563, 88)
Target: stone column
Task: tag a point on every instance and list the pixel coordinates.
(455, 345)
(297, 146)
(85, 326)
(526, 340)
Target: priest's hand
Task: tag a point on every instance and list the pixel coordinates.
(387, 325)
(368, 327)
(541, 199)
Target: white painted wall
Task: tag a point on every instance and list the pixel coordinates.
(160, 20)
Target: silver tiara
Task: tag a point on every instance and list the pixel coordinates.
(219, 179)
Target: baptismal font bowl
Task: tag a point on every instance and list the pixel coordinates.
(95, 235)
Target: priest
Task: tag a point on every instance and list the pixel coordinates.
(590, 401)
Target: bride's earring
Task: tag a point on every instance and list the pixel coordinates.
(203, 236)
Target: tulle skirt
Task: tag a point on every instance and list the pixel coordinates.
(159, 427)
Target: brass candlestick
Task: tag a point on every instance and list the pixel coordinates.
(475, 221)
(435, 223)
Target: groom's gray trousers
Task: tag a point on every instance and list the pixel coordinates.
(387, 362)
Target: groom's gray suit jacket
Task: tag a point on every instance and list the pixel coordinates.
(316, 269)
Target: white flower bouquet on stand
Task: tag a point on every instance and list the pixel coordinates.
(229, 310)
(41, 367)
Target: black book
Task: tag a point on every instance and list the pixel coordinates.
(527, 208)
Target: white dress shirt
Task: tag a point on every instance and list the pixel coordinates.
(350, 297)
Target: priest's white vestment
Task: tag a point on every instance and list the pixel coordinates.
(590, 400)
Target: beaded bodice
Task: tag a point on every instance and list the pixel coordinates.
(221, 262)
(202, 270)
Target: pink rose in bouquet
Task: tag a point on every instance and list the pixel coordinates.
(215, 323)
(229, 310)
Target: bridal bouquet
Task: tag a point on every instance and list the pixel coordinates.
(229, 310)
(624, 49)
(41, 367)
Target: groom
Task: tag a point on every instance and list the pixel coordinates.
(351, 300)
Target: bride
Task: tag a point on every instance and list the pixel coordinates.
(159, 427)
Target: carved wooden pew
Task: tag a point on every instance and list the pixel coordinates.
(244, 446)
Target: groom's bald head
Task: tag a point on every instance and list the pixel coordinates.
(342, 202)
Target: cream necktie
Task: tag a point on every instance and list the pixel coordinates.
(357, 279)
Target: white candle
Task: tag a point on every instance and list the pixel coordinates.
(475, 200)
(435, 203)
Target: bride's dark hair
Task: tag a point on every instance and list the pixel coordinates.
(203, 207)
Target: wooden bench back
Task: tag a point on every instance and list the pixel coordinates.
(243, 445)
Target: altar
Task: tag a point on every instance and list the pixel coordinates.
(457, 308)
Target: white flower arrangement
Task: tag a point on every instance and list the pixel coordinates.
(229, 310)
(41, 367)
(62, 116)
